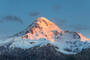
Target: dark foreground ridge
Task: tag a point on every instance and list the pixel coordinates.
(47, 52)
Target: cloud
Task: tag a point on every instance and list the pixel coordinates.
(33, 14)
(63, 23)
(79, 27)
(60, 22)
(11, 18)
(57, 7)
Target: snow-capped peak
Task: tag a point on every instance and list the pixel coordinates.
(42, 31)
(41, 28)
(83, 38)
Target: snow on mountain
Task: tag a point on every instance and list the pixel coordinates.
(70, 42)
(18, 42)
(41, 32)
(25, 43)
(40, 28)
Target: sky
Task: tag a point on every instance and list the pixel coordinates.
(16, 15)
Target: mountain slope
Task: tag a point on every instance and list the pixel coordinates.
(40, 28)
(47, 52)
(41, 33)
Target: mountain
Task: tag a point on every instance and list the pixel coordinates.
(40, 28)
(44, 40)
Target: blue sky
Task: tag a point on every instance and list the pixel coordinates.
(73, 15)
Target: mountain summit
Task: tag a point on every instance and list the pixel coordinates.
(40, 28)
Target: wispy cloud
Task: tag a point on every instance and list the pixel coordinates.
(11, 18)
(65, 25)
(61, 22)
(79, 27)
(56, 7)
(33, 14)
